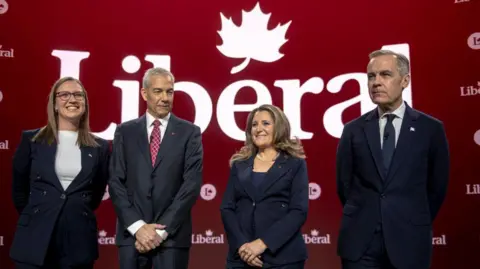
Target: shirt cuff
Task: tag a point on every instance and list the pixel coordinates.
(162, 233)
(135, 227)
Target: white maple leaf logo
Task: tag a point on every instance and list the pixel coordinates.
(252, 39)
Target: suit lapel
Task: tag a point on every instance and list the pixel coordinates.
(89, 157)
(142, 141)
(168, 139)
(404, 146)
(278, 169)
(244, 175)
(51, 174)
(372, 132)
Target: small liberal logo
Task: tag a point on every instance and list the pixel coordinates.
(314, 191)
(474, 41)
(3, 7)
(208, 192)
(1, 96)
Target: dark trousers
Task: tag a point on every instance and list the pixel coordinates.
(375, 257)
(56, 257)
(160, 258)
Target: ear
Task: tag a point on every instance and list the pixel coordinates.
(144, 93)
(405, 81)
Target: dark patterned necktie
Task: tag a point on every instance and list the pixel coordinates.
(155, 141)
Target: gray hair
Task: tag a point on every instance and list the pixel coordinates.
(403, 64)
(156, 71)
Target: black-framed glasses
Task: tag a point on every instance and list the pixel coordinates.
(79, 96)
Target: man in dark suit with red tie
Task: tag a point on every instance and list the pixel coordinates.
(156, 175)
(392, 175)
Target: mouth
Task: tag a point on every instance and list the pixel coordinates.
(72, 108)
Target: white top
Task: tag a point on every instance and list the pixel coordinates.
(397, 122)
(68, 160)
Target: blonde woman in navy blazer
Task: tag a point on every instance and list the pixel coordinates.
(266, 201)
(60, 173)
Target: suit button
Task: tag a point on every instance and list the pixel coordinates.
(84, 213)
(38, 176)
(44, 193)
(382, 195)
(35, 210)
(84, 195)
(253, 204)
(63, 196)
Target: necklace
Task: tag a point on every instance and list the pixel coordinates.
(263, 160)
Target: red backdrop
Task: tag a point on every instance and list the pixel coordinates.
(325, 57)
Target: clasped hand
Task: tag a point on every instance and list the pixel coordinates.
(147, 237)
(250, 252)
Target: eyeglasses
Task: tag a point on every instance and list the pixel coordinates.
(65, 96)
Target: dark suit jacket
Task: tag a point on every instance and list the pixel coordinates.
(275, 211)
(164, 193)
(43, 204)
(405, 201)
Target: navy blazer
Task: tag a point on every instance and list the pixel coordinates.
(405, 201)
(275, 211)
(44, 205)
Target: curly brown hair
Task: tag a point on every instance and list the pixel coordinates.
(281, 136)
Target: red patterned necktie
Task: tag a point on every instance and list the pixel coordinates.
(155, 141)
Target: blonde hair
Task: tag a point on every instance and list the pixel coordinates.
(49, 133)
(281, 136)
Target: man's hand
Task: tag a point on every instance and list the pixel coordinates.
(147, 236)
(250, 252)
(140, 248)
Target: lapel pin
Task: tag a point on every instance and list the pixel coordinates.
(412, 129)
(89, 155)
(173, 133)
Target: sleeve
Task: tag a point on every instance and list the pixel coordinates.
(101, 177)
(344, 165)
(124, 208)
(187, 195)
(439, 170)
(21, 173)
(227, 209)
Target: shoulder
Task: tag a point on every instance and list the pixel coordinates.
(358, 123)
(184, 123)
(130, 124)
(428, 119)
(295, 161)
(29, 134)
(103, 143)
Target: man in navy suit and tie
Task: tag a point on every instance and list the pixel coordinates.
(392, 175)
(156, 175)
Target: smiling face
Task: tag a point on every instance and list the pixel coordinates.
(70, 101)
(263, 129)
(159, 95)
(385, 83)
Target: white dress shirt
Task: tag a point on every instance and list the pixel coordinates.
(397, 122)
(163, 127)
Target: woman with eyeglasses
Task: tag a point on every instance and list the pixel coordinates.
(60, 172)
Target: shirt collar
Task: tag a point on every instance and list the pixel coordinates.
(163, 121)
(399, 112)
